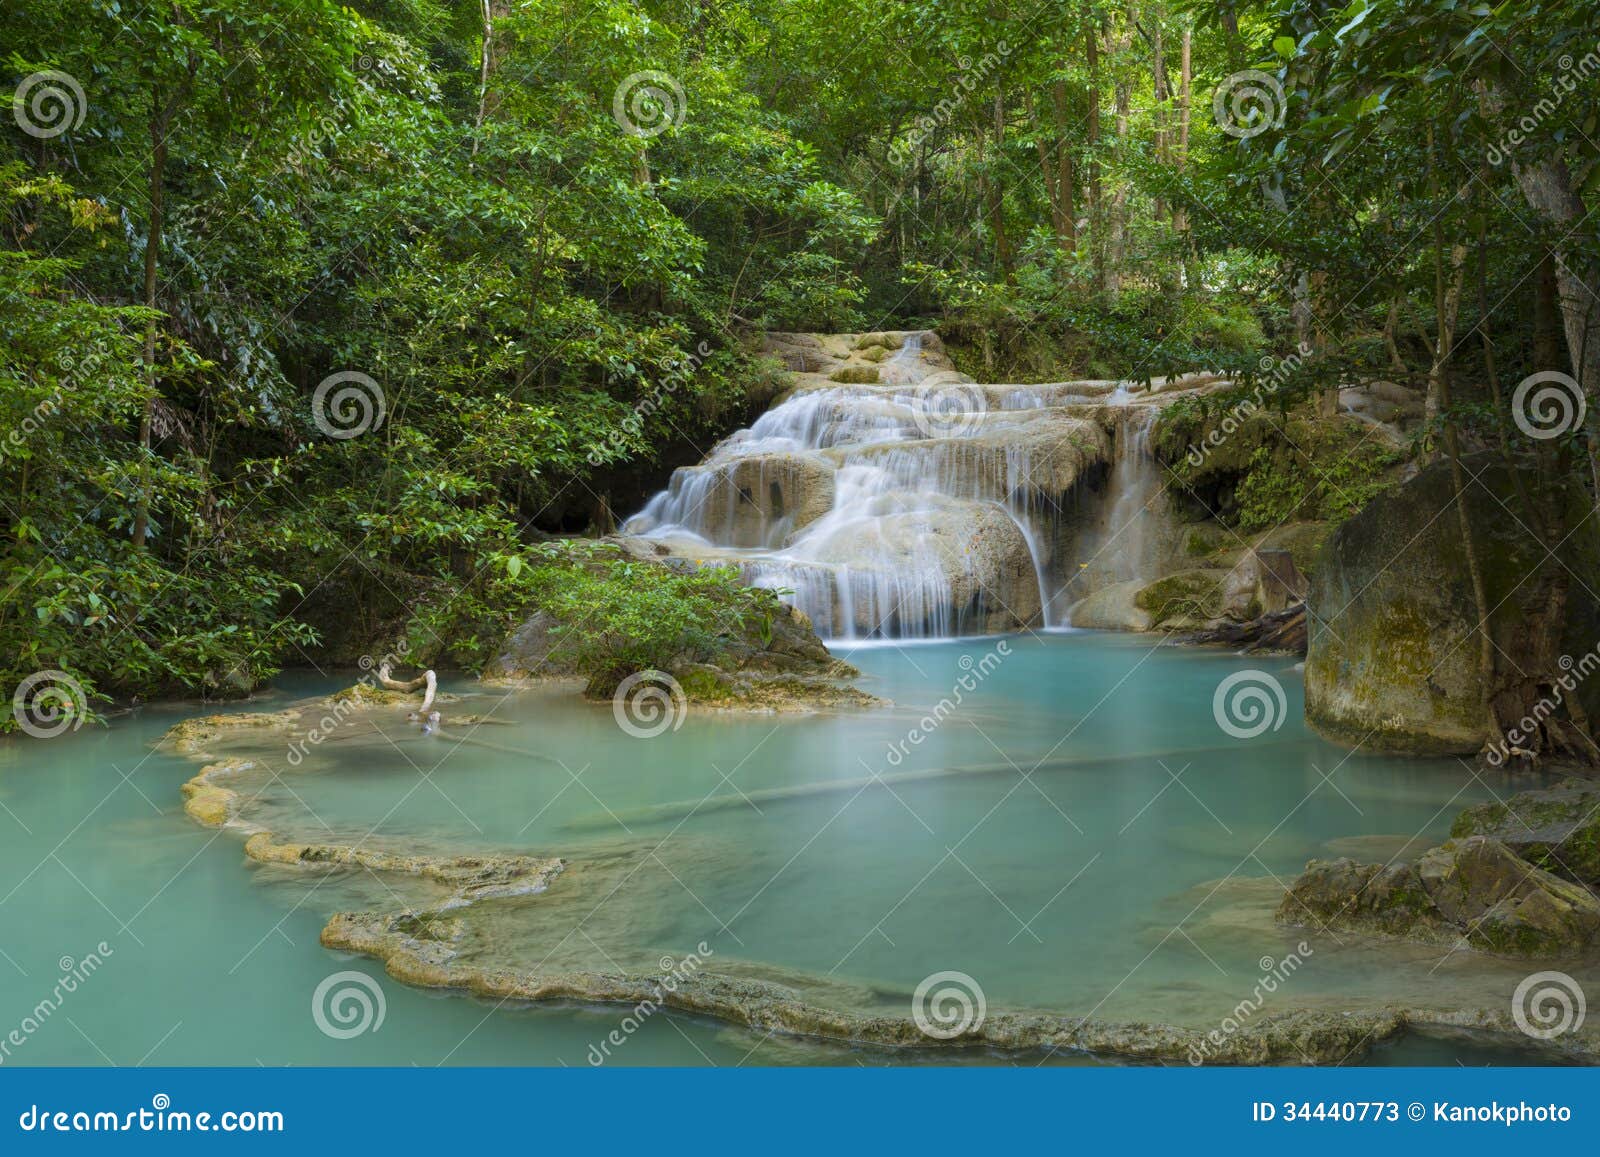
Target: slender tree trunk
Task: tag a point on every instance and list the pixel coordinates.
(1117, 214)
(997, 189)
(1180, 215)
(160, 114)
(1068, 233)
(1097, 224)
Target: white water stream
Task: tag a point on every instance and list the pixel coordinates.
(922, 505)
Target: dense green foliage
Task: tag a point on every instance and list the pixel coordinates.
(615, 616)
(531, 245)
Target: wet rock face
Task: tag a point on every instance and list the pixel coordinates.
(473, 878)
(890, 493)
(1473, 892)
(1391, 604)
(1557, 829)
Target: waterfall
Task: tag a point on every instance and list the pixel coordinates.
(896, 498)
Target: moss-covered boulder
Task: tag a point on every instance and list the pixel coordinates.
(1392, 663)
(1187, 600)
(1557, 829)
(1473, 892)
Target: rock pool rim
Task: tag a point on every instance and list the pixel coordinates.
(1294, 1036)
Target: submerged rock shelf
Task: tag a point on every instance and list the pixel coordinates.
(496, 925)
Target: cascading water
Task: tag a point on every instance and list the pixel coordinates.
(896, 498)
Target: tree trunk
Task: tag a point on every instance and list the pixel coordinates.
(1068, 233)
(997, 189)
(1117, 211)
(160, 114)
(1097, 237)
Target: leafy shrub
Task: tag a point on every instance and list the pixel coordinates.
(616, 615)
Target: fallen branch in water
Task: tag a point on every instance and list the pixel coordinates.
(390, 683)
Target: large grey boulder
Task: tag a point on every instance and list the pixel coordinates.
(1393, 658)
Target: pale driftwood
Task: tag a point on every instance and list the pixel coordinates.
(427, 677)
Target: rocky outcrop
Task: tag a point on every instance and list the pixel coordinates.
(471, 878)
(421, 949)
(1393, 663)
(1556, 828)
(1473, 892)
(775, 665)
(206, 800)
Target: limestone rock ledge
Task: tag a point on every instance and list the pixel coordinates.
(420, 949)
(473, 877)
(1557, 829)
(1473, 892)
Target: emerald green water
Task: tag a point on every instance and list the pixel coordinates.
(1130, 877)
